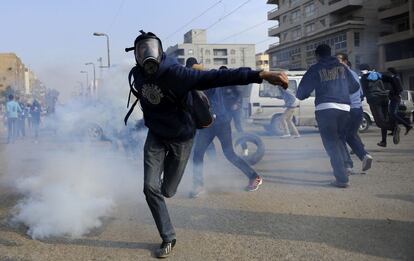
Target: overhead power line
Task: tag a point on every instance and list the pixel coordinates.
(228, 14)
(195, 18)
(243, 31)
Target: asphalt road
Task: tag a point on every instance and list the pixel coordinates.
(294, 216)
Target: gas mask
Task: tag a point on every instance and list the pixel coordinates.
(148, 52)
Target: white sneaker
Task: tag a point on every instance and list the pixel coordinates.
(366, 162)
(246, 152)
(296, 136)
(285, 136)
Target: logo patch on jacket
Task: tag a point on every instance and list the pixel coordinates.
(152, 93)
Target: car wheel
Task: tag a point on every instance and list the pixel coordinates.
(255, 147)
(365, 123)
(275, 126)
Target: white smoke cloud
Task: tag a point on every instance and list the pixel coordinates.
(71, 189)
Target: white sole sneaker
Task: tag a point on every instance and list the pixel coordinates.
(367, 162)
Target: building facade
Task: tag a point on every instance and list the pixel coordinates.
(212, 56)
(396, 43)
(262, 61)
(349, 26)
(12, 73)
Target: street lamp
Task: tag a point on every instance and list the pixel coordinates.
(94, 75)
(107, 45)
(87, 77)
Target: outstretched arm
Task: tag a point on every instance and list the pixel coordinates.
(307, 84)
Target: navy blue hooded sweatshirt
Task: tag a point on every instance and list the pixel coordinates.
(331, 80)
(163, 115)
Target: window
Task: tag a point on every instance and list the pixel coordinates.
(190, 51)
(293, 2)
(309, 10)
(220, 61)
(296, 34)
(356, 39)
(220, 52)
(323, 22)
(310, 28)
(273, 91)
(295, 16)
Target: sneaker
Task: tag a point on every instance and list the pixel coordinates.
(366, 162)
(382, 144)
(197, 192)
(165, 249)
(285, 136)
(339, 184)
(396, 137)
(254, 184)
(246, 152)
(296, 136)
(407, 130)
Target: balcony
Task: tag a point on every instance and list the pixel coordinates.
(273, 14)
(343, 6)
(274, 31)
(354, 20)
(394, 37)
(395, 9)
(272, 2)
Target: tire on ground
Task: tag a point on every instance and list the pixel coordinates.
(252, 158)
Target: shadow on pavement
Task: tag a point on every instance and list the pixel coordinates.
(296, 181)
(404, 197)
(381, 238)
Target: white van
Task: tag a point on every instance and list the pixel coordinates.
(266, 106)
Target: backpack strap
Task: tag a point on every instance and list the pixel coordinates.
(133, 91)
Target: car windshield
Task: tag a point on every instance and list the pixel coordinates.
(273, 91)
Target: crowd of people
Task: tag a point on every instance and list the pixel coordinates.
(22, 118)
(162, 86)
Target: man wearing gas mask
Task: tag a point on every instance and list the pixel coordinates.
(162, 87)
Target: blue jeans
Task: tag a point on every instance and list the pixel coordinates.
(352, 137)
(170, 158)
(221, 130)
(332, 125)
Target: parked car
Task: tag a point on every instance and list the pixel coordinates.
(407, 105)
(266, 106)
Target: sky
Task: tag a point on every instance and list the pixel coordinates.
(54, 38)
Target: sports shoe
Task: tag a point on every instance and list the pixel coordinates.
(382, 144)
(339, 184)
(296, 136)
(245, 152)
(366, 162)
(165, 249)
(407, 130)
(254, 184)
(396, 136)
(197, 192)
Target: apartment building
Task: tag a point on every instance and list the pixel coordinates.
(396, 41)
(350, 26)
(212, 56)
(12, 73)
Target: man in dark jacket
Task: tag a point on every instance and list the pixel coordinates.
(333, 83)
(377, 95)
(395, 100)
(221, 129)
(162, 86)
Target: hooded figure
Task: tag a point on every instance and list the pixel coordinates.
(162, 87)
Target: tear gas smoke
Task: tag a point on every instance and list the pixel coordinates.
(71, 188)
